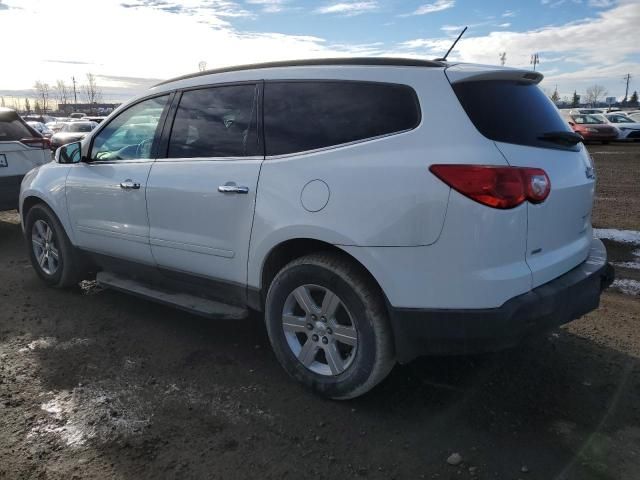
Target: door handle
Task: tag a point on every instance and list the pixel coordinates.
(129, 184)
(231, 187)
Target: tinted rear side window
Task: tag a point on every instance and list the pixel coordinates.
(511, 112)
(13, 130)
(216, 122)
(301, 116)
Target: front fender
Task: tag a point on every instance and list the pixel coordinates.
(47, 184)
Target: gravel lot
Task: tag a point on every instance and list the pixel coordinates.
(97, 384)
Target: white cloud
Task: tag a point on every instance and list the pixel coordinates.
(509, 13)
(572, 43)
(348, 8)
(270, 6)
(436, 6)
(601, 3)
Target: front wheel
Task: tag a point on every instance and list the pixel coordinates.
(328, 326)
(52, 254)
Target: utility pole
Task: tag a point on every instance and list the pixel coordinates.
(535, 60)
(627, 77)
(75, 94)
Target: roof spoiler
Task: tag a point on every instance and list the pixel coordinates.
(478, 73)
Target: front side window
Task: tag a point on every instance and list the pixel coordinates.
(619, 119)
(130, 135)
(216, 122)
(307, 115)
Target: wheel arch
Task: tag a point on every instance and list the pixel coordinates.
(287, 251)
(30, 200)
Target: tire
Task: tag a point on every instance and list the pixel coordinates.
(348, 352)
(62, 268)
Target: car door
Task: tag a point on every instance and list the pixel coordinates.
(106, 193)
(201, 197)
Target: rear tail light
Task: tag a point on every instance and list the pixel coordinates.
(495, 186)
(37, 142)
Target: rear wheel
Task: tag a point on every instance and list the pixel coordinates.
(328, 326)
(51, 253)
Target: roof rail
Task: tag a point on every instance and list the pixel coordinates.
(355, 61)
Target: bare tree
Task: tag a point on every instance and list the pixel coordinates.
(2, 102)
(27, 105)
(503, 58)
(62, 92)
(594, 93)
(42, 92)
(91, 90)
(555, 96)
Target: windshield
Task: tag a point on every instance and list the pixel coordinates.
(585, 119)
(78, 127)
(619, 119)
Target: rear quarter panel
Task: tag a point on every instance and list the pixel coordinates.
(381, 193)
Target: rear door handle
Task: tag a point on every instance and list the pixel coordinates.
(129, 184)
(231, 187)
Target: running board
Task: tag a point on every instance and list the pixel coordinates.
(190, 303)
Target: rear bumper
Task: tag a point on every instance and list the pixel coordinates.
(452, 332)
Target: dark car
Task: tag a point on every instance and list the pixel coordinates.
(71, 132)
(591, 128)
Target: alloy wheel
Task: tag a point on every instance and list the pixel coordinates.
(319, 330)
(45, 247)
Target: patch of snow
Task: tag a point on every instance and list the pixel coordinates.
(627, 286)
(52, 342)
(621, 236)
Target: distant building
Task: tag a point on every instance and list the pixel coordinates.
(89, 108)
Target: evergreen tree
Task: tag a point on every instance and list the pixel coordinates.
(634, 99)
(575, 101)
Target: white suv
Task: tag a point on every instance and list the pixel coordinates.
(21, 149)
(374, 210)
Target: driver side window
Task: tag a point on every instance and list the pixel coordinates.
(130, 135)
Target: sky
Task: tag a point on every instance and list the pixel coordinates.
(130, 45)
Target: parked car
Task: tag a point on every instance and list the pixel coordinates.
(628, 128)
(71, 132)
(21, 149)
(587, 111)
(38, 118)
(374, 209)
(591, 128)
(635, 115)
(77, 115)
(56, 126)
(97, 119)
(41, 128)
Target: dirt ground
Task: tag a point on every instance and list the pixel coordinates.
(98, 384)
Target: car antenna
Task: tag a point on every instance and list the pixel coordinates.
(444, 59)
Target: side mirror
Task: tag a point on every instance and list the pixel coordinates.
(69, 153)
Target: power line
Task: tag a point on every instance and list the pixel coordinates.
(75, 94)
(535, 60)
(627, 77)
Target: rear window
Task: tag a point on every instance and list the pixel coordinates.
(301, 116)
(511, 112)
(13, 130)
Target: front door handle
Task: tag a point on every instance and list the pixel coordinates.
(231, 187)
(129, 184)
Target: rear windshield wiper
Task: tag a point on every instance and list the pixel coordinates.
(563, 138)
